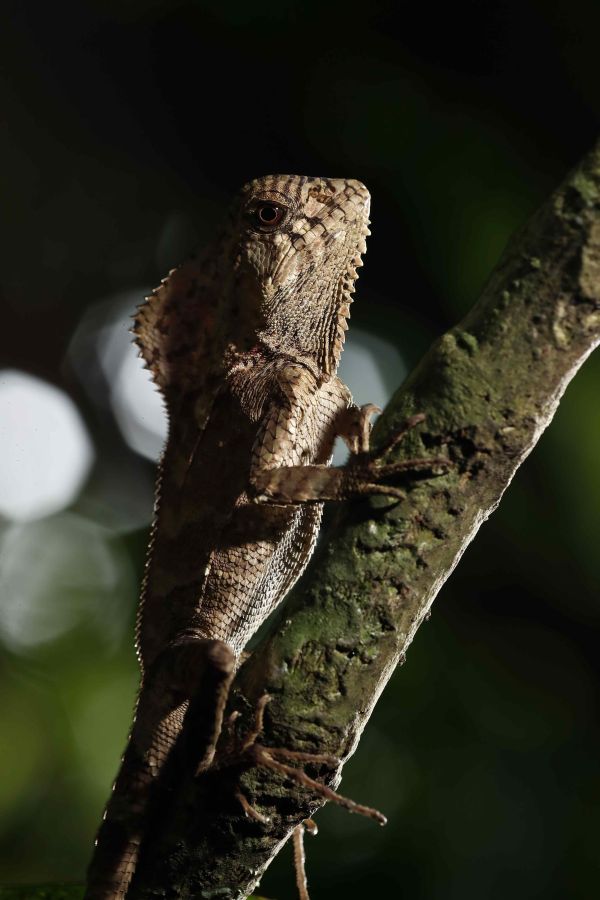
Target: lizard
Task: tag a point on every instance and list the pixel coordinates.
(243, 341)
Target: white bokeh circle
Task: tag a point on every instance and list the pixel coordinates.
(45, 450)
(134, 398)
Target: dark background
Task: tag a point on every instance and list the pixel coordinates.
(125, 128)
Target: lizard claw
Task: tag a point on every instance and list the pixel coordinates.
(373, 469)
(356, 428)
(399, 436)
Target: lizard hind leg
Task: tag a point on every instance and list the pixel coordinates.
(207, 681)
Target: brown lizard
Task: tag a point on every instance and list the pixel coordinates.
(243, 341)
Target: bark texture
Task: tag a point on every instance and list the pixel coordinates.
(488, 387)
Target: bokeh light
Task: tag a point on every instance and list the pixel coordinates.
(45, 450)
(134, 398)
(372, 367)
(79, 578)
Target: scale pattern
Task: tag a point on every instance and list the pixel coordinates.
(243, 342)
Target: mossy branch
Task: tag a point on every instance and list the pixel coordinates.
(488, 387)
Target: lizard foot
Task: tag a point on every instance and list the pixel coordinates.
(367, 469)
(277, 760)
(273, 758)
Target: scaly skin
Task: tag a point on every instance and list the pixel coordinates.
(244, 343)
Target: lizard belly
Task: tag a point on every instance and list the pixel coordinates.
(265, 548)
(248, 578)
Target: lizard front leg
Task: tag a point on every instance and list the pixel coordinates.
(363, 474)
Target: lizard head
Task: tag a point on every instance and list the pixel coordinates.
(301, 241)
(295, 244)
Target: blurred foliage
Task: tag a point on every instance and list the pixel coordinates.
(126, 127)
(42, 892)
(53, 892)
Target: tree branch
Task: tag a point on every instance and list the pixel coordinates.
(489, 387)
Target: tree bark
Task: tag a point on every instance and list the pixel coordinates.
(488, 387)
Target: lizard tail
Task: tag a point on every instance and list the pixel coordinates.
(125, 821)
(191, 669)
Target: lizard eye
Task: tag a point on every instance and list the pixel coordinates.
(266, 216)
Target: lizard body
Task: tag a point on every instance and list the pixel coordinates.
(244, 343)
